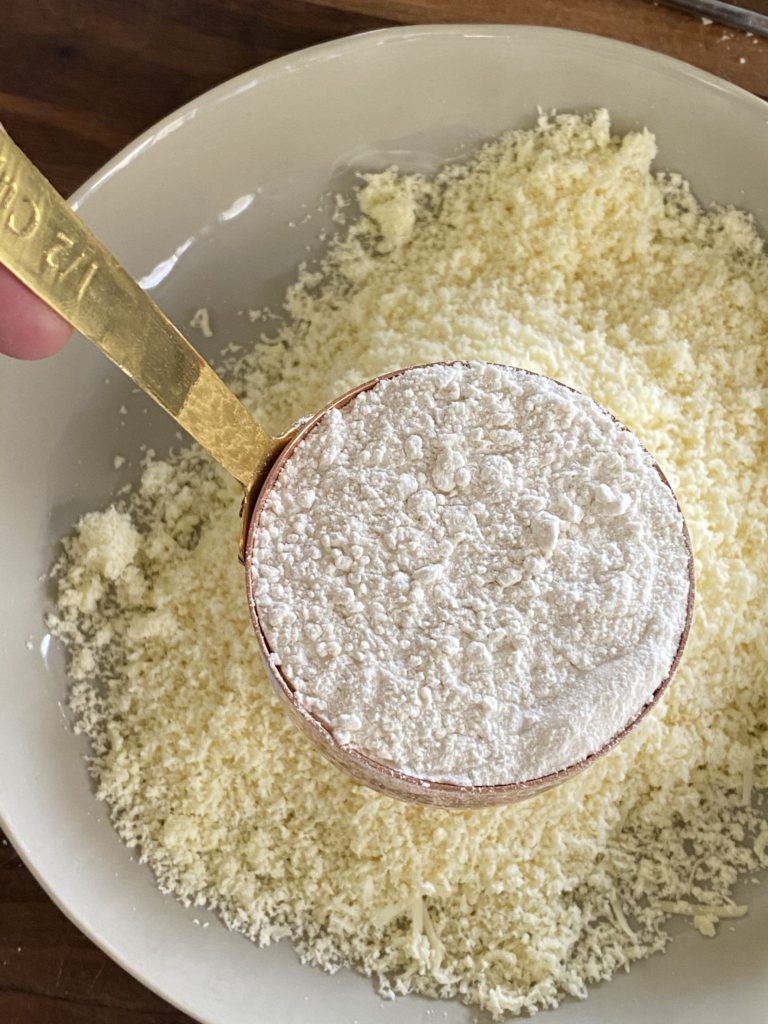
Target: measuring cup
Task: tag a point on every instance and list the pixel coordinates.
(45, 244)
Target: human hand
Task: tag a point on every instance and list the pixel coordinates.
(28, 328)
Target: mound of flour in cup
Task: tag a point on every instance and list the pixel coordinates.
(561, 251)
(471, 574)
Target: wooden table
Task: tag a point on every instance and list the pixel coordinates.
(78, 80)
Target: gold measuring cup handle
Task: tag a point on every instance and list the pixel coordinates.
(45, 244)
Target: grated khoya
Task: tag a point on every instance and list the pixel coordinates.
(558, 250)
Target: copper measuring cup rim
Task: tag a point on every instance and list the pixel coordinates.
(376, 774)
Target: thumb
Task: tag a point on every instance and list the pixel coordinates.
(28, 328)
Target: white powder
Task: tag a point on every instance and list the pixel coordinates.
(472, 574)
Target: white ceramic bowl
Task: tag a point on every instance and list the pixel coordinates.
(197, 209)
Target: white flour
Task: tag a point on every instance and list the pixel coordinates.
(473, 574)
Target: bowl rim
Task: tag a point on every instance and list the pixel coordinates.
(334, 48)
